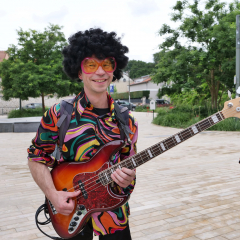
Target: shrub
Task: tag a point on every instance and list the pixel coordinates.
(37, 112)
(184, 116)
(137, 94)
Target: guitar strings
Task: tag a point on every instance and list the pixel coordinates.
(146, 158)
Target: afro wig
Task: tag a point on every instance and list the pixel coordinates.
(93, 42)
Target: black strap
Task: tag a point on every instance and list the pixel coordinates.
(122, 115)
(66, 108)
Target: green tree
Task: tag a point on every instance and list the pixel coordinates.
(34, 67)
(139, 68)
(207, 60)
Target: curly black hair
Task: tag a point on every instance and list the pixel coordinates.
(93, 42)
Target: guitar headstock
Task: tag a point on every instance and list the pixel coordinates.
(232, 108)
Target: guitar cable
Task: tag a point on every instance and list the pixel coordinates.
(43, 207)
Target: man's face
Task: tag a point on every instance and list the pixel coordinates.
(97, 82)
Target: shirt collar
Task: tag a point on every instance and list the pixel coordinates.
(81, 102)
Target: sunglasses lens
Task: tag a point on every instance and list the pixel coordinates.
(108, 64)
(90, 65)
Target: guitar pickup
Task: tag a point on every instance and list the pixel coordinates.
(81, 187)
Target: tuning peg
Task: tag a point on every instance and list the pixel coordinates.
(229, 94)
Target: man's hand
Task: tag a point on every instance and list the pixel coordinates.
(63, 202)
(123, 177)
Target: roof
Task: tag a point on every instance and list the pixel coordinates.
(148, 79)
(3, 55)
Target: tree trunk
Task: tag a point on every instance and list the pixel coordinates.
(214, 90)
(43, 104)
(20, 104)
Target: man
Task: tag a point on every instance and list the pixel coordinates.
(96, 58)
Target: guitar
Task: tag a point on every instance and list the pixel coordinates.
(93, 178)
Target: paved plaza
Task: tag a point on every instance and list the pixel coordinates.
(190, 192)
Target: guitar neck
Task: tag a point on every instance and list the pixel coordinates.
(161, 147)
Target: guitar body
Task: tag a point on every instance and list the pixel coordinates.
(95, 197)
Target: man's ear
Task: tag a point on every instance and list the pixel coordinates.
(80, 75)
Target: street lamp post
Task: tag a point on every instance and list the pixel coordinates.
(237, 54)
(129, 87)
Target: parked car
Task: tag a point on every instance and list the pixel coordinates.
(33, 105)
(162, 103)
(130, 105)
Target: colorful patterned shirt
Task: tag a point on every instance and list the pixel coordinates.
(87, 132)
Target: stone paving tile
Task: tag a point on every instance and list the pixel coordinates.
(214, 233)
(232, 235)
(190, 192)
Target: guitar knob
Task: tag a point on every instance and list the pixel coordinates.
(79, 213)
(70, 229)
(81, 207)
(76, 218)
(73, 224)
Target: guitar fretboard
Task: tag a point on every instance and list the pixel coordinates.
(161, 147)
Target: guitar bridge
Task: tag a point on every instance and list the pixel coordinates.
(81, 187)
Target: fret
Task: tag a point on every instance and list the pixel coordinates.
(181, 137)
(153, 151)
(141, 159)
(185, 134)
(209, 120)
(190, 131)
(129, 163)
(198, 127)
(170, 142)
(173, 140)
(103, 179)
(158, 149)
(219, 116)
(145, 156)
(205, 124)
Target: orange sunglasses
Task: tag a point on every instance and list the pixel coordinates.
(90, 65)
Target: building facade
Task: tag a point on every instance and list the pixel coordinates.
(146, 83)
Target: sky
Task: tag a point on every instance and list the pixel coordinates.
(135, 21)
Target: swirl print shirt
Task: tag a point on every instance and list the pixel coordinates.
(87, 132)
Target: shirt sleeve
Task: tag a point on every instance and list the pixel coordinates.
(43, 144)
(130, 150)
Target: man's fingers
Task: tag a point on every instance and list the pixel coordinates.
(73, 194)
(129, 172)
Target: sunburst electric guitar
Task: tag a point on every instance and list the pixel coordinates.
(93, 178)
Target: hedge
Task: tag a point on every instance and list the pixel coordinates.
(137, 94)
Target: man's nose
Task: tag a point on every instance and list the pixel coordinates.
(100, 71)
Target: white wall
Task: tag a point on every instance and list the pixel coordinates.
(7, 106)
(153, 87)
